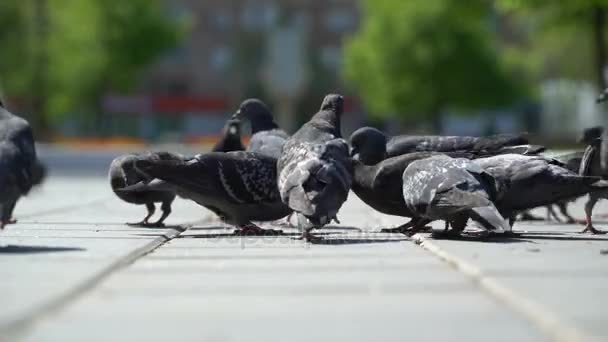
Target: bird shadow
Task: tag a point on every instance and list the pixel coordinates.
(562, 237)
(353, 241)
(232, 235)
(483, 239)
(21, 249)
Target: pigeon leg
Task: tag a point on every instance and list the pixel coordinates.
(166, 209)
(286, 222)
(588, 212)
(400, 229)
(143, 223)
(6, 211)
(551, 214)
(527, 216)
(407, 228)
(7, 214)
(563, 208)
(251, 229)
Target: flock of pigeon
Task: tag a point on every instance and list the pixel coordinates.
(485, 180)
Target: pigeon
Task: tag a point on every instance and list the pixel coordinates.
(123, 174)
(240, 187)
(315, 171)
(453, 190)
(267, 138)
(572, 162)
(231, 138)
(526, 182)
(480, 146)
(20, 168)
(591, 166)
(375, 177)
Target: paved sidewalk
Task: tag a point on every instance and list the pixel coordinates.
(72, 271)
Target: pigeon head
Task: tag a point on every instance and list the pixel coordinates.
(591, 135)
(258, 113)
(368, 145)
(334, 103)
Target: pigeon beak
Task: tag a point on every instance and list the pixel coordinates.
(238, 115)
(353, 151)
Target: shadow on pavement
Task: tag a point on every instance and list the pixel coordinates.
(354, 241)
(16, 249)
(564, 237)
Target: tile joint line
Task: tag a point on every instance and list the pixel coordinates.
(542, 318)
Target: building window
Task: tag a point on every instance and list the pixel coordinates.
(220, 58)
(258, 16)
(339, 20)
(331, 56)
(220, 20)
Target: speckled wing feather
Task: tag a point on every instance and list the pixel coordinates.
(239, 177)
(315, 177)
(531, 181)
(440, 187)
(399, 145)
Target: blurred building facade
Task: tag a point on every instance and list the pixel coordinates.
(227, 55)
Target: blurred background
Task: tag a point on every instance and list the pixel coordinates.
(171, 71)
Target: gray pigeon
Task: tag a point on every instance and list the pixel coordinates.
(452, 189)
(123, 174)
(572, 161)
(591, 166)
(240, 187)
(315, 171)
(527, 182)
(231, 138)
(479, 146)
(20, 168)
(266, 136)
(375, 178)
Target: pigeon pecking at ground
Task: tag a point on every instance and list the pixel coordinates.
(240, 187)
(315, 171)
(231, 138)
(527, 182)
(453, 190)
(479, 146)
(266, 136)
(123, 174)
(377, 181)
(20, 169)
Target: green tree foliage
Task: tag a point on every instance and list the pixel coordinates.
(64, 54)
(420, 57)
(557, 28)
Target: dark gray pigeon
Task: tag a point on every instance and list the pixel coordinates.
(240, 187)
(527, 182)
(591, 166)
(479, 146)
(453, 190)
(231, 138)
(315, 171)
(266, 136)
(572, 161)
(123, 174)
(20, 166)
(377, 181)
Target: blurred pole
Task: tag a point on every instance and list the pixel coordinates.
(40, 75)
(599, 23)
